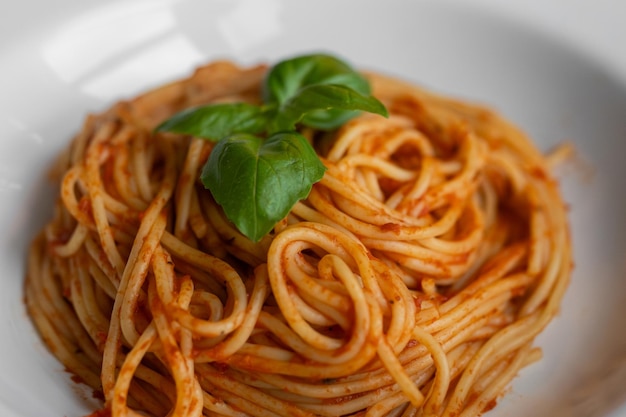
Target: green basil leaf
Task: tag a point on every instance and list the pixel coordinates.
(307, 104)
(217, 121)
(328, 119)
(287, 77)
(258, 181)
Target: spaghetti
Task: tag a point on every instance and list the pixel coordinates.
(411, 282)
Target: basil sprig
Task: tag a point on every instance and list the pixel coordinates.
(261, 166)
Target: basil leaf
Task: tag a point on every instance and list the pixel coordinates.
(287, 77)
(258, 181)
(286, 80)
(312, 103)
(328, 119)
(217, 121)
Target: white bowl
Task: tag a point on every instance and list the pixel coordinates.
(62, 59)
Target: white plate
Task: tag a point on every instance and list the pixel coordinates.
(62, 59)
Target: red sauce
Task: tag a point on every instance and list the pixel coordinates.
(101, 336)
(221, 367)
(490, 405)
(98, 395)
(391, 227)
(84, 205)
(77, 379)
(389, 185)
(539, 173)
(105, 412)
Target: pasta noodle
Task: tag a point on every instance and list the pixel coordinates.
(412, 281)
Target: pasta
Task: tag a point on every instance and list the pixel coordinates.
(412, 281)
